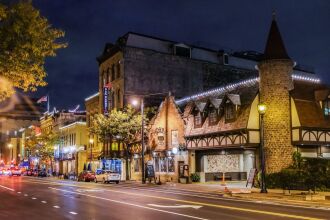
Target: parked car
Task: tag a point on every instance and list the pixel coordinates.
(107, 176)
(29, 172)
(86, 176)
(6, 172)
(42, 173)
(16, 172)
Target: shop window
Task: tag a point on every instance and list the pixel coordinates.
(137, 162)
(230, 111)
(157, 164)
(163, 164)
(326, 108)
(198, 121)
(170, 161)
(114, 146)
(213, 116)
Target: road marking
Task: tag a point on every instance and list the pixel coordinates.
(34, 198)
(220, 206)
(176, 206)
(132, 204)
(7, 188)
(43, 201)
(73, 213)
(56, 206)
(25, 194)
(19, 192)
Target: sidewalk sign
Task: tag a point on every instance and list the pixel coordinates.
(250, 179)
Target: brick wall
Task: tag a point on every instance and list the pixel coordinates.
(275, 83)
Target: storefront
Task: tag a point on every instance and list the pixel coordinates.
(114, 164)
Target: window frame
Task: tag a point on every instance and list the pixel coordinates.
(233, 117)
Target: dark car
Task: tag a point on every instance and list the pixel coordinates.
(42, 173)
(86, 176)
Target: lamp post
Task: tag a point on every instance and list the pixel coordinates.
(262, 110)
(135, 102)
(91, 142)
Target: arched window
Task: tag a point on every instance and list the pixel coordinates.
(118, 71)
(118, 98)
(113, 74)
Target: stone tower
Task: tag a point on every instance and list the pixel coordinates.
(275, 83)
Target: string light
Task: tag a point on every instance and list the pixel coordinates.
(225, 89)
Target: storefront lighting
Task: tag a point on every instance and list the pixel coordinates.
(174, 150)
(91, 141)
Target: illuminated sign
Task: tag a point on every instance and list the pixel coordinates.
(105, 100)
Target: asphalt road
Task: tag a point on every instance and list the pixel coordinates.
(43, 198)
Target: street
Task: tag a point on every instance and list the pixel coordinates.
(46, 198)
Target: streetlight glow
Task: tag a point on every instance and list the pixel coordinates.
(135, 102)
(262, 108)
(91, 141)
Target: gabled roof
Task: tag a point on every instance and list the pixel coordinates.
(275, 48)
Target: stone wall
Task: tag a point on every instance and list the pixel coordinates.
(275, 83)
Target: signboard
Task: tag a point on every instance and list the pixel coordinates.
(105, 100)
(250, 179)
(160, 137)
(175, 138)
(150, 172)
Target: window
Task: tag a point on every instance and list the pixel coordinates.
(326, 108)
(118, 98)
(137, 164)
(170, 161)
(113, 76)
(198, 120)
(163, 164)
(225, 59)
(213, 116)
(157, 164)
(182, 51)
(230, 111)
(118, 70)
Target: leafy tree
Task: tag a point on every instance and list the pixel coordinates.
(121, 125)
(26, 39)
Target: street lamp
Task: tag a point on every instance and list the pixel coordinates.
(91, 142)
(136, 102)
(12, 154)
(262, 111)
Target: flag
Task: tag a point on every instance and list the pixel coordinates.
(43, 99)
(108, 85)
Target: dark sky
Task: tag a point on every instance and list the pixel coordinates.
(229, 25)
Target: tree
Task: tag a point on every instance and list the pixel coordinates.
(26, 40)
(121, 125)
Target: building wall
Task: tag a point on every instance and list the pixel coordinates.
(275, 84)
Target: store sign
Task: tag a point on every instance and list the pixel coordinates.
(105, 100)
(174, 138)
(160, 137)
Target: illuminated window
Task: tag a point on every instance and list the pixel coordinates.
(326, 108)
(170, 161)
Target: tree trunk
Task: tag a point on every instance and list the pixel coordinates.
(127, 167)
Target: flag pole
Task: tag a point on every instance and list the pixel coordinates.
(48, 103)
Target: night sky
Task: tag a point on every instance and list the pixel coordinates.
(230, 25)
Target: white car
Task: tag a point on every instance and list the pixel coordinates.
(16, 172)
(107, 176)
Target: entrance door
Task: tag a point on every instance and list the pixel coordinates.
(180, 168)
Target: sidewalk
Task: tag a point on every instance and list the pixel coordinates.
(239, 190)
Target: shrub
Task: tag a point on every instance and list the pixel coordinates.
(195, 177)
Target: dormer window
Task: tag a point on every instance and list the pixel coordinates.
(182, 50)
(230, 111)
(198, 120)
(213, 115)
(326, 108)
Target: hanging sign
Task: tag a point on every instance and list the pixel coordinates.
(105, 100)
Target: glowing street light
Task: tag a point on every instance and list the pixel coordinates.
(262, 111)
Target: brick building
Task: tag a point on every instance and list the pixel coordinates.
(222, 129)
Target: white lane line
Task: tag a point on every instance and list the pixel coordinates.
(56, 206)
(7, 188)
(43, 201)
(73, 213)
(131, 204)
(25, 194)
(34, 198)
(19, 192)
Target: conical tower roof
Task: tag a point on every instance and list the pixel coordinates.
(275, 48)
